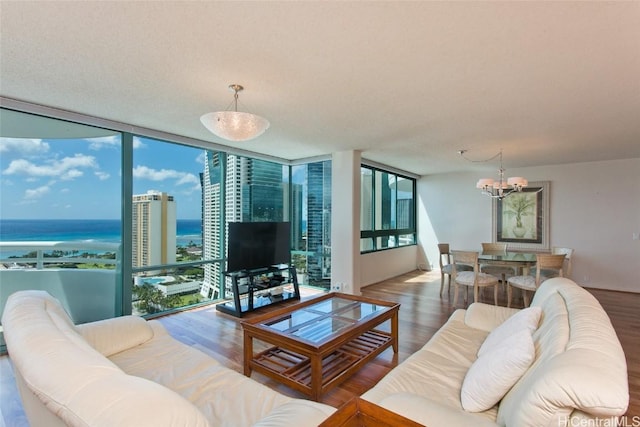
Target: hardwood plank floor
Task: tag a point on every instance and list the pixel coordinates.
(422, 312)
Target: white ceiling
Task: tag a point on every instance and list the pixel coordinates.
(408, 83)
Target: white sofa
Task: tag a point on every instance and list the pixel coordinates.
(129, 372)
(578, 375)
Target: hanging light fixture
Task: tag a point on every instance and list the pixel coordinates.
(500, 188)
(235, 125)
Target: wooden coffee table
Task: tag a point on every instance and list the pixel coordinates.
(360, 413)
(319, 343)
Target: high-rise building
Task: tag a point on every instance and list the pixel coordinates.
(253, 192)
(319, 222)
(262, 194)
(212, 236)
(154, 229)
(294, 204)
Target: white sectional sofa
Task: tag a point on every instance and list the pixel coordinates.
(129, 372)
(577, 375)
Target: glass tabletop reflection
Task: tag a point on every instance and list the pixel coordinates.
(319, 321)
(507, 256)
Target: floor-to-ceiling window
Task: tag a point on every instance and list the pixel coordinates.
(387, 210)
(311, 222)
(60, 213)
(169, 256)
(146, 216)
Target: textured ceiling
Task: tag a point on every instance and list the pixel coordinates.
(408, 83)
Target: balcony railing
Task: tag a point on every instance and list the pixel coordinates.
(88, 293)
(68, 252)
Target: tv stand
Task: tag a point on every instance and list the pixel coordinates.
(259, 288)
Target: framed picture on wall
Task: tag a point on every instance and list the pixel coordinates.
(522, 219)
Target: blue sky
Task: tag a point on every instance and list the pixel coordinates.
(80, 178)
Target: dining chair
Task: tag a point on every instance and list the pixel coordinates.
(494, 269)
(472, 278)
(557, 250)
(544, 262)
(446, 266)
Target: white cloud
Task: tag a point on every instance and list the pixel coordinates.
(102, 176)
(137, 142)
(104, 142)
(189, 179)
(111, 142)
(71, 174)
(36, 192)
(23, 145)
(191, 190)
(201, 158)
(67, 168)
(144, 172)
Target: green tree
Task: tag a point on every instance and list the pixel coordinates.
(152, 300)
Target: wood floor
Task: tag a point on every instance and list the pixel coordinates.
(422, 312)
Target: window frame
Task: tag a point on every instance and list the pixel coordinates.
(375, 234)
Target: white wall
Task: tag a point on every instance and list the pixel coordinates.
(345, 221)
(382, 265)
(594, 208)
(350, 269)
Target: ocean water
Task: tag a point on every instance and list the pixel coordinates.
(98, 230)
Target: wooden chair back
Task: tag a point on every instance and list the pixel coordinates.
(549, 262)
(556, 250)
(494, 247)
(469, 258)
(444, 252)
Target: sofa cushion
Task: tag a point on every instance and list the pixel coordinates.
(296, 413)
(487, 317)
(526, 319)
(496, 371)
(430, 413)
(438, 369)
(224, 396)
(112, 336)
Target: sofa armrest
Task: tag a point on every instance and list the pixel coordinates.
(487, 317)
(111, 336)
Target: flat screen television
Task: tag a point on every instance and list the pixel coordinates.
(258, 245)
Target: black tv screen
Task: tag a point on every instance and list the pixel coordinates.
(257, 245)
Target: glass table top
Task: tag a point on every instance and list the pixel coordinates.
(507, 256)
(319, 321)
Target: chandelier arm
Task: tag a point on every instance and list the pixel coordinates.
(461, 152)
(505, 194)
(502, 187)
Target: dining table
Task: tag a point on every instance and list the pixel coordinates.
(521, 261)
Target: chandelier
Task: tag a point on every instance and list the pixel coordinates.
(235, 125)
(500, 188)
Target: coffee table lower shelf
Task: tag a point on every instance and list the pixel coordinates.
(295, 369)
